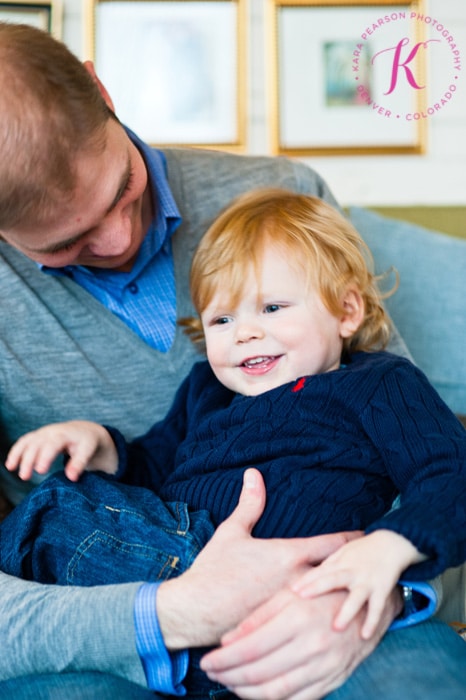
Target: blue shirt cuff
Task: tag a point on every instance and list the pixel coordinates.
(421, 605)
(164, 670)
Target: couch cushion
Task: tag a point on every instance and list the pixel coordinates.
(429, 307)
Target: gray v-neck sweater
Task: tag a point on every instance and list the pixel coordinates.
(63, 355)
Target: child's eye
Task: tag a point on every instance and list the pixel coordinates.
(271, 308)
(221, 320)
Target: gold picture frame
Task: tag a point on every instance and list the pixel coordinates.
(330, 66)
(45, 15)
(175, 68)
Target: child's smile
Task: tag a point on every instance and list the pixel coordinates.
(278, 331)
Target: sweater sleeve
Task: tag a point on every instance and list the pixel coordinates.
(424, 449)
(150, 458)
(53, 629)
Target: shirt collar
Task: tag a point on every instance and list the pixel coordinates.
(166, 210)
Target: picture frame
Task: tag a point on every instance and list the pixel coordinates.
(332, 65)
(46, 15)
(180, 80)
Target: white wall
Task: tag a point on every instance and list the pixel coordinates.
(438, 177)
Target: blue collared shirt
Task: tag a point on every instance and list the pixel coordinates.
(145, 297)
(164, 671)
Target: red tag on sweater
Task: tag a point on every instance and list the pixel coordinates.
(299, 384)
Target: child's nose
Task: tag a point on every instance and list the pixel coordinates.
(247, 331)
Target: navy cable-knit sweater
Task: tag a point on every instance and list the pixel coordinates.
(334, 450)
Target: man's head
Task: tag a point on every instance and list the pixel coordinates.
(73, 188)
(50, 108)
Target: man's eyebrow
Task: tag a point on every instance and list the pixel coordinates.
(57, 247)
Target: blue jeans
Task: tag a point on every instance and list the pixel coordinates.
(97, 532)
(425, 662)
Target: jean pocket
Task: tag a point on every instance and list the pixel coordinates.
(102, 558)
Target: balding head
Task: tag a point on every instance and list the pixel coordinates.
(50, 108)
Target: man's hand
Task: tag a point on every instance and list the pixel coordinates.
(288, 649)
(235, 573)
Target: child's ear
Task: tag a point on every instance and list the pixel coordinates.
(353, 313)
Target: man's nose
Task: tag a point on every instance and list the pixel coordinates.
(111, 238)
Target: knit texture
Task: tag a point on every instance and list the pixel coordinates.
(63, 355)
(334, 451)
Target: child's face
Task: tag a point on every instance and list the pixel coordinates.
(279, 331)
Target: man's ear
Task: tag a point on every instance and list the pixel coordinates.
(353, 313)
(89, 66)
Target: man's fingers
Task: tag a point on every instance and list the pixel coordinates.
(325, 545)
(288, 657)
(258, 618)
(251, 641)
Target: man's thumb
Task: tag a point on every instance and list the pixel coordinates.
(251, 502)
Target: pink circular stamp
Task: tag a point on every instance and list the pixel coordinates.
(395, 59)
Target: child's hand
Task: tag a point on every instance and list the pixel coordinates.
(88, 445)
(369, 568)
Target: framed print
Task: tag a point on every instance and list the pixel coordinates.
(175, 68)
(349, 77)
(42, 15)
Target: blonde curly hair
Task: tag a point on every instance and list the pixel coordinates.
(312, 234)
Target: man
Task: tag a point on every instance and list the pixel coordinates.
(98, 235)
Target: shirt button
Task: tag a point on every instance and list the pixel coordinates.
(133, 288)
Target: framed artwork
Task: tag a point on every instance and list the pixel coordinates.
(42, 15)
(175, 69)
(349, 77)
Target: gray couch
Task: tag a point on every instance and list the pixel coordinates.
(429, 309)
